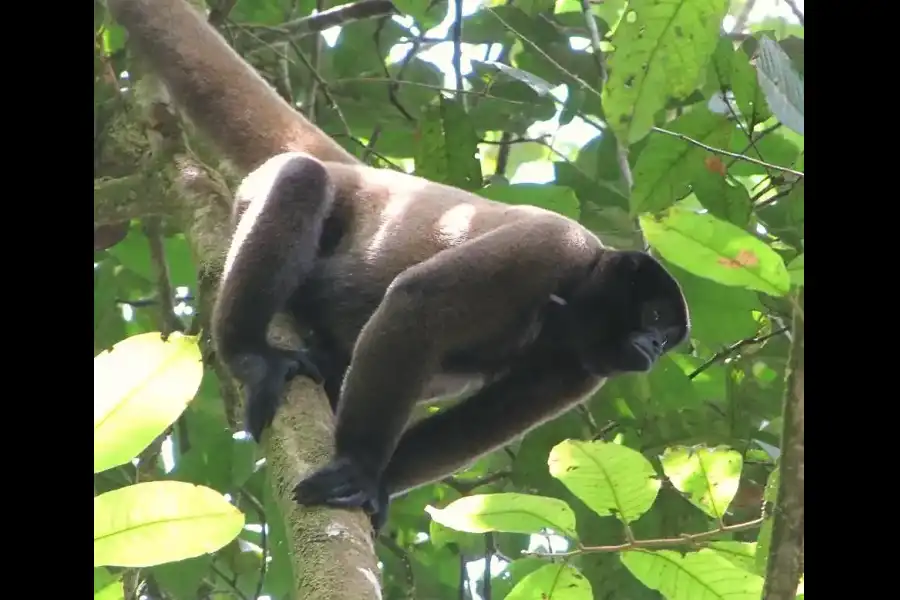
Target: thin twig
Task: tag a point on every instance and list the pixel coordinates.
(391, 544)
(264, 541)
(599, 58)
(727, 153)
(457, 47)
(169, 320)
(466, 486)
(732, 349)
(685, 539)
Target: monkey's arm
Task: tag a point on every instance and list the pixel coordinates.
(460, 298)
(273, 250)
(533, 393)
(222, 94)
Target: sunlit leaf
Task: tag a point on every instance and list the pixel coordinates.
(708, 476)
(141, 387)
(113, 591)
(717, 250)
(509, 512)
(720, 314)
(151, 523)
(609, 478)
(702, 575)
(795, 268)
(556, 581)
(740, 554)
(662, 49)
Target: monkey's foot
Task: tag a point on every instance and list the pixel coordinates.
(265, 394)
(300, 362)
(342, 484)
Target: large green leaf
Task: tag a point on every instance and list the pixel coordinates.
(446, 147)
(141, 387)
(720, 314)
(702, 575)
(609, 478)
(662, 49)
(556, 581)
(510, 512)
(732, 70)
(708, 476)
(712, 248)
(667, 163)
(155, 522)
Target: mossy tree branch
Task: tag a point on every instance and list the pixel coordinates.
(332, 550)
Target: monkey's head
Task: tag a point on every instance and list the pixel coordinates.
(627, 313)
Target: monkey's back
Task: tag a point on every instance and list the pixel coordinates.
(382, 223)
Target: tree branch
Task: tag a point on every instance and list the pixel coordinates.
(785, 564)
(332, 550)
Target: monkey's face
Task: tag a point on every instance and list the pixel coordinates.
(629, 312)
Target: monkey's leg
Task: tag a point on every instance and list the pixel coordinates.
(274, 248)
(534, 392)
(455, 300)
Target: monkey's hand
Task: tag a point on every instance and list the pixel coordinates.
(344, 484)
(264, 376)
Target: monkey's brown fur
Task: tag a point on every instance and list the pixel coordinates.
(417, 289)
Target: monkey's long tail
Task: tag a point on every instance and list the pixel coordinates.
(222, 94)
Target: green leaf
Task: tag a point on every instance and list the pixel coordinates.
(426, 14)
(446, 147)
(732, 70)
(662, 49)
(141, 387)
(610, 479)
(109, 326)
(556, 581)
(781, 83)
(559, 199)
(740, 554)
(667, 164)
(773, 148)
(509, 512)
(598, 161)
(107, 586)
(709, 385)
(720, 314)
(114, 590)
(709, 476)
(182, 579)
(722, 199)
(515, 572)
(795, 269)
(180, 261)
(694, 576)
(464, 168)
(670, 388)
(720, 251)
(155, 522)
